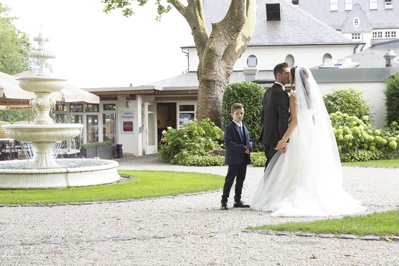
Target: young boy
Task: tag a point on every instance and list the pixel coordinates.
(238, 148)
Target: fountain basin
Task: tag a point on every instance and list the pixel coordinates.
(16, 174)
(41, 84)
(43, 133)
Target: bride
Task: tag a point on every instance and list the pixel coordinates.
(307, 179)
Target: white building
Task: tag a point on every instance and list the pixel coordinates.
(284, 32)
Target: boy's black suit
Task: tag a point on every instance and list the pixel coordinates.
(236, 158)
(275, 116)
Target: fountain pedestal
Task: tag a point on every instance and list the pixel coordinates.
(44, 171)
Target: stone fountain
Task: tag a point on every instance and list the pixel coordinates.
(44, 171)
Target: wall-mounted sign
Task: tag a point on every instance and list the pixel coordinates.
(127, 119)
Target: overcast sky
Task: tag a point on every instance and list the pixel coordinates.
(95, 49)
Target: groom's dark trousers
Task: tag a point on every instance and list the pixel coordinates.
(274, 119)
(236, 158)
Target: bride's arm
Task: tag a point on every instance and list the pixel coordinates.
(291, 127)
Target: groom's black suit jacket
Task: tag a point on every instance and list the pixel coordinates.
(275, 115)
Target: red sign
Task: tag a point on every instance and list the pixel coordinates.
(128, 126)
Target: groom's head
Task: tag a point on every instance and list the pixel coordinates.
(282, 73)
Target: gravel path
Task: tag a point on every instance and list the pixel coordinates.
(205, 235)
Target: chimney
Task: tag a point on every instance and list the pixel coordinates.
(389, 56)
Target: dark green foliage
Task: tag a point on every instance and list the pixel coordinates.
(392, 101)
(250, 96)
(195, 138)
(15, 45)
(365, 155)
(348, 101)
(12, 116)
(199, 160)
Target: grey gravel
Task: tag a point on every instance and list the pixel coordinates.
(376, 188)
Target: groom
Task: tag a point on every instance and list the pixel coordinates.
(275, 112)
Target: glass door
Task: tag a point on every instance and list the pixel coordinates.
(150, 128)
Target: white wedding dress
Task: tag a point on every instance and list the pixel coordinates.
(307, 179)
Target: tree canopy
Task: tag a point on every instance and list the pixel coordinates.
(14, 45)
(217, 51)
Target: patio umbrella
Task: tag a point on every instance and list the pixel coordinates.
(10, 89)
(69, 93)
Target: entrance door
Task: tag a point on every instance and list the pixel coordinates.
(150, 129)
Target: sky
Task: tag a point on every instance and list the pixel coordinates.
(94, 49)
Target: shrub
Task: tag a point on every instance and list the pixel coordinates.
(96, 144)
(199, 160)
(356, 137)
(250, 96)
(392, 101)
(193, 138)
(347, 101)
(258, 159)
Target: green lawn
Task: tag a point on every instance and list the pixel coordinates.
(377, 163)
(381, 224)
(147, 184)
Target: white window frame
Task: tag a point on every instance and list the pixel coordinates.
(373, 4)
(356, 22)
(333, 5)
(100, 119)
(388, 4)
(348, 4)
(355, 36)
(178, 104)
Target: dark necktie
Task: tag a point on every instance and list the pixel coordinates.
(241, 134)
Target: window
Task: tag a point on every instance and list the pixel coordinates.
(252, 61)
(273, 12)
(186, 113)
(333, 5)
(388, 4)
(348, 4)
(91, 107)
(109, 107)
(290, 60)
(92, 128)
(355, 36)
(390, 34)
(373, 4)
(377, 34)
(326, 57)
(76, 107)
(356, 22)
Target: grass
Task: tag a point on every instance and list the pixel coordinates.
(381, 224)
(147, 184)
(377, 163)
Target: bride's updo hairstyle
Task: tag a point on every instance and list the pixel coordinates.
(303, 74)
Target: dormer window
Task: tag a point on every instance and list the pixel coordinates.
(388, 4)
(373, 4)
(348, 4)
(252, 61)
(356, 22)
(333, 5)
(273, 12)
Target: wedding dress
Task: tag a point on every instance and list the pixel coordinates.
(307, 179)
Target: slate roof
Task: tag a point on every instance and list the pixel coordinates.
(373, 57)
(297, 27)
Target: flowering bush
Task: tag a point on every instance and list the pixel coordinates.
(194, 140)
(358, 140)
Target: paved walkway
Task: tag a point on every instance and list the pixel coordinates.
(188, 230)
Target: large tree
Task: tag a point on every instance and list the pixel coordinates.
(14, 45)
(217, 51)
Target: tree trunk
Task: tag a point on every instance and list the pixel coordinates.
(218, 51)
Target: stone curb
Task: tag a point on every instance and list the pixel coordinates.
(108, 201)
(202, 234)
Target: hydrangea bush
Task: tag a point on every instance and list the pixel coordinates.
(359, 140)
(192, 144)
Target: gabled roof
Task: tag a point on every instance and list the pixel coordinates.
(297, 27)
